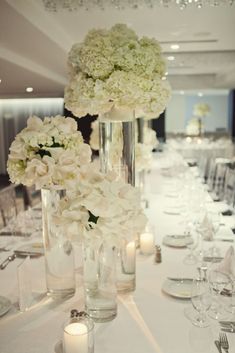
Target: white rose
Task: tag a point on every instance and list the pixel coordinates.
(65, 125)
(40, 171)
(34, 123)
(18, 150)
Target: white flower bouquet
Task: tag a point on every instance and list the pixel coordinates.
(150, 138)
(101, 207)
(47, 153)
(201, 110)
(116, 69)
(143, 157)
(194, 127)
(94, 136)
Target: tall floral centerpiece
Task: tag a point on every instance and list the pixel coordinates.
(117, 76)
(200, 111)
(106, 213)
(49, 154)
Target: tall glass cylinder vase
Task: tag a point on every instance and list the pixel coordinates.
(117, 144)
(59, 255)
(100, 280)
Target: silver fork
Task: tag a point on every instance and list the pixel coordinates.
(224, 342)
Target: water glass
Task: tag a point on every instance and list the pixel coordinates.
(201, 300)
(219, 282)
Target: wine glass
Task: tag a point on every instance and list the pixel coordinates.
(219, 282)
(10, 217)
(201, 300)
(229, 295)
(215, 219)
(191, 244)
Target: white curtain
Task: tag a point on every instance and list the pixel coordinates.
(14, 114)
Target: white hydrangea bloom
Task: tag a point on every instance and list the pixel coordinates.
(86, 207)
(114, 68)
(194, 127)
(143, 157)
(150, 138)
(201, 110)
(47, 153)
(94, 137)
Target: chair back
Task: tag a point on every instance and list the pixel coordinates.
(229, 186)
(8, 206)
(31, 196)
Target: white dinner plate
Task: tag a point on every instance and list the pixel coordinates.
(178, 289)
(177, 241)
(172, 211)
(5, 305)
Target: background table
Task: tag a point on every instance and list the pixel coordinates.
(148, 320)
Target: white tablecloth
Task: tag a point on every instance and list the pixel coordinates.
(148, 320)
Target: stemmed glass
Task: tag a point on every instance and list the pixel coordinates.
(215, 219)
(201, 300)
(229, 293)
(192, 243)
(219, 282)
(10, 215)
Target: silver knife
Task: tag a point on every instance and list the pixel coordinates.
(228, 330)
(18, 253)
(212, 259)
(227, 322)
(217, 343)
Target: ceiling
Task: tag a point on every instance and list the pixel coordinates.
(34, 44)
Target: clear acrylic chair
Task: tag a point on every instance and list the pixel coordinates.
(8, 205)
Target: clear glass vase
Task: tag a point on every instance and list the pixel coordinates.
(100, 280)
(117, 144)
(59, 254)
(125, 266)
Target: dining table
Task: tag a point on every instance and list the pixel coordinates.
(149, 319)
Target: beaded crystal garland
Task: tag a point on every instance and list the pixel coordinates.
(73, 5)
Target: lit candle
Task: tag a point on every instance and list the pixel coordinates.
(146, 243)
(75, 338)
(130, 257)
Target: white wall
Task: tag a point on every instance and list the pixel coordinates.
(180, 110)
(175, 114)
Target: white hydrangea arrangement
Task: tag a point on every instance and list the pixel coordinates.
(100, 207)
(201, 110)
(150, 138)
(94, 137)
(194, 127)
(47, 153)
(143, 157)
(116, 69)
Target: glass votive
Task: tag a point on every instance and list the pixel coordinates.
(147, 243)
(78, 334)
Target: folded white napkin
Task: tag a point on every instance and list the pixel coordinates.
(206, 228)
(227, 265)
